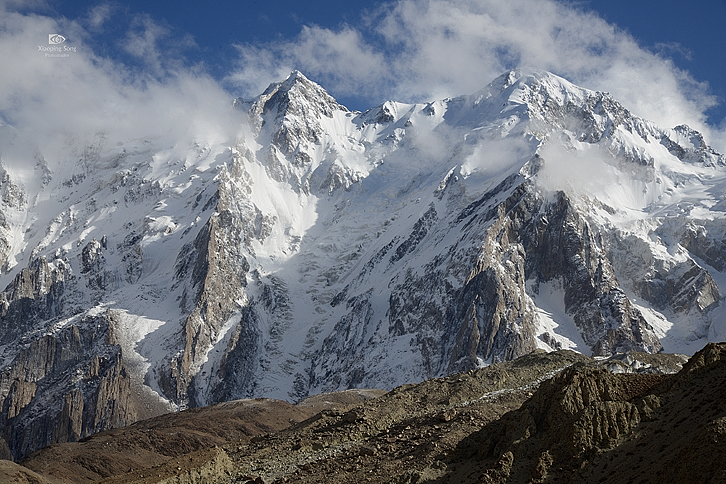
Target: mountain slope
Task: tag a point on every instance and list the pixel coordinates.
(413, 433)
(587, 425)
(323, 249)
(156, 441)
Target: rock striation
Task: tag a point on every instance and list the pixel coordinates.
(323, 249)
(588, 425)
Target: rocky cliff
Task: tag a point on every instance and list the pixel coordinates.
(588, 425)
(323, 249)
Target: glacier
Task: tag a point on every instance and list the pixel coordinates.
(324, 249)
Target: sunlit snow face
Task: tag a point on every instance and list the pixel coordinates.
(416, 51)
(664, 186)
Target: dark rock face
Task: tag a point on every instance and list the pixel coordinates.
(569, 248)
(544, 241)
(71, 381)
(705, 239)
(587, 425)
(693, 149)
(64, 387)
(66, 384)
(213, 273)
(491, 318)
(34, 296)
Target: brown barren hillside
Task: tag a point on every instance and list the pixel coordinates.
(546, 417)
(155, 441)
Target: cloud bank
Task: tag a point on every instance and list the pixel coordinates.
(53, 95)
(406, 50)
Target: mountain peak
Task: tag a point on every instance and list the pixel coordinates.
(523, 76)
(296, 77)
(326, 250)
(296, 95)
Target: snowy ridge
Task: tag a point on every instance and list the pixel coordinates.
(325, 249)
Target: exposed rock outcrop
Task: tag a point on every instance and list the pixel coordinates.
(65, 386)
(587, 425)
(35, 296)
(323, 249)
(213, 273)
(12, 473)
(544, 417)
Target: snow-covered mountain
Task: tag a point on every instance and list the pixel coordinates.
(325, 249)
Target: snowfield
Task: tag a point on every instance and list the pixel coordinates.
(324, 249)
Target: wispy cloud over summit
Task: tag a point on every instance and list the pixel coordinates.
(423, 50)
(407, 50)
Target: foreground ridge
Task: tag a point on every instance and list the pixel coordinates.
(545, 417)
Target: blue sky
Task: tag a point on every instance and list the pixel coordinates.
(692, 34)
(665, 60)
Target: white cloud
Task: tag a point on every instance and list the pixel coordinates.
(422, 50)
(409, 50)
(156, 46)
(592, 172)
(583, 172)
(51, 100)
(342, 58)
(99, 15)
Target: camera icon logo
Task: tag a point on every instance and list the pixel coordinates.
(55, 39)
